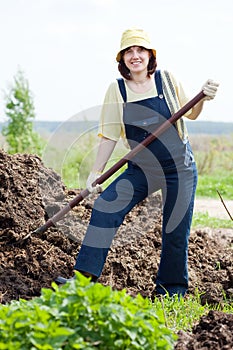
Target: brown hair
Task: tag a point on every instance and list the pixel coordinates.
(125, 72)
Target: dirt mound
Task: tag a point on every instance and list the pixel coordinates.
(30, 193)
(214, 331)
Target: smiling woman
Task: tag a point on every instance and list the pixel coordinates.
(135, 106)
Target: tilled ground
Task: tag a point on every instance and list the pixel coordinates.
(31, 193)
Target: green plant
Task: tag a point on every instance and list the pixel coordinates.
(84, 315)
(20, 112)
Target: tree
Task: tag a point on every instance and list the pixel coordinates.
(19, 133)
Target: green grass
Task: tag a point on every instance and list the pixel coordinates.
(209, 184)
(204, 220)
(181, 313)
(214, 158)
(184, 313)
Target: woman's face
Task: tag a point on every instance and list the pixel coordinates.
(136, 58)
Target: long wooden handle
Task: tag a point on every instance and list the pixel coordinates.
(61, 213)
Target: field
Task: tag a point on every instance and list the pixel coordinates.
(213, 154)
(32, 192)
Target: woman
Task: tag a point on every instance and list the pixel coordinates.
(134, 106)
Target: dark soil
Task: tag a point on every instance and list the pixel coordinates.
(30, 193)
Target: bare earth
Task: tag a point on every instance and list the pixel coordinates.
(214, 207)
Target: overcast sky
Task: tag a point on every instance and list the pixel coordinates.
(67, 49)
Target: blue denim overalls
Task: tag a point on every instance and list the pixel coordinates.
(166, 164)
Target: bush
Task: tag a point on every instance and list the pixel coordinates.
(19, 133)
(83, 315)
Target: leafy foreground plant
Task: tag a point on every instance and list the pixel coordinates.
(83, 315)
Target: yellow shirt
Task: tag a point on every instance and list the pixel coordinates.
(111, 123)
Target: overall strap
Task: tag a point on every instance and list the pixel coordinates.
(173, 103)
(158, 82)
(121, 85)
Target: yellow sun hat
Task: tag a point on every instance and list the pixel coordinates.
(134, 37)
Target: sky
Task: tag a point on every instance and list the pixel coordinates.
(67, 48)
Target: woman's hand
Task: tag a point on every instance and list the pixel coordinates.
(210, 89)
(93, 176)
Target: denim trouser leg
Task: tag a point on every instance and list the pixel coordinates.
(177, 216)
(108, 214)
(178, 189)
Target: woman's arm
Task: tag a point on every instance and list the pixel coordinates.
(210, 89)
(105, 149)
(196, 110)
